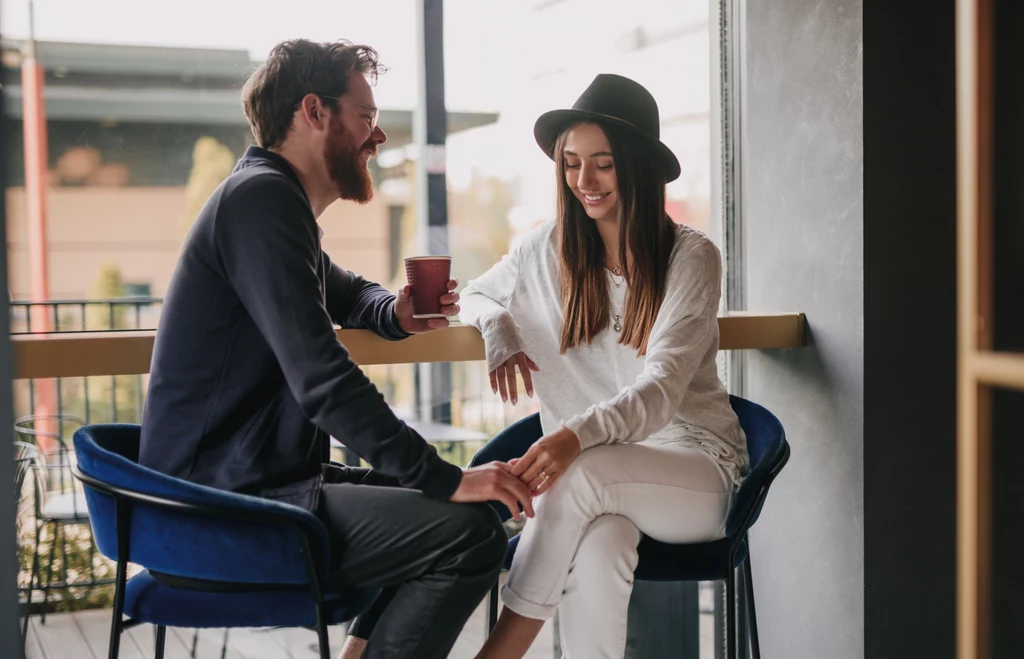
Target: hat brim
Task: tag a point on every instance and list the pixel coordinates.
(550, 125)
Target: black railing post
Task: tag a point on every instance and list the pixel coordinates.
(85, 392)
(430, 131)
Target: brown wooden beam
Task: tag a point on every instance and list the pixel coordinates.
(129, 353)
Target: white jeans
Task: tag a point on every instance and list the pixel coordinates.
(579, 552)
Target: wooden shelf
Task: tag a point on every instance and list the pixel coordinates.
(128, 353)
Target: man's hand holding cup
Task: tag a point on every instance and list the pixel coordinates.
(429, 298)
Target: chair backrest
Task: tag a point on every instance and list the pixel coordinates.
(769, 452)
(512, 442)
(24, 457)
(49, 429)
(189, 530)
(53, 456)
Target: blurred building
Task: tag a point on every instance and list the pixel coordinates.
(123, 122)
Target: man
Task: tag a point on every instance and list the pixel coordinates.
(248, 379)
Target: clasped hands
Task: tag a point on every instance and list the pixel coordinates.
(518, 481)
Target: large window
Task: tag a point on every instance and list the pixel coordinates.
(142, 120)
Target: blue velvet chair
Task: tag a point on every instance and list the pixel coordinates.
(712, 561)
(233, 560)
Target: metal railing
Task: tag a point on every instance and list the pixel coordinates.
(115, 315)
(101, 398)
(119, 398)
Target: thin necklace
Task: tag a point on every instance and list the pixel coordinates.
(616, 317)
(617, 279)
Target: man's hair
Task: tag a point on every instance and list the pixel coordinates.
(295, 68)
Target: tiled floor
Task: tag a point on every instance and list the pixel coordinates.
(85, 634)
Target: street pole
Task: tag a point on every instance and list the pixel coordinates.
(36, 169)
(430, 132)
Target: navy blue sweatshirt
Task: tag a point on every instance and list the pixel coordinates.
(248, 378)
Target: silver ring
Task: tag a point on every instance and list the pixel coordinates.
(543, 475)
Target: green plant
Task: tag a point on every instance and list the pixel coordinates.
(111, 397)
(76, 552)
(72, 550)
(212, 162)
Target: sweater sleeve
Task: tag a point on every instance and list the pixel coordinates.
(685, 331)
(485, 305)
(268, 245)
(356, 303)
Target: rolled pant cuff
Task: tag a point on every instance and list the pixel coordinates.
(524, 608)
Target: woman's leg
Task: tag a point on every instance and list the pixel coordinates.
(595, 602)
(592, 614)
(670, 492)
(512, 636)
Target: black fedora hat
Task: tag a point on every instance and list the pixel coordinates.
(611, 99)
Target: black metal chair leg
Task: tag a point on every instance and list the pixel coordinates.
(321, 631)
(123, 509)
(195, 642)
(118, 610)
(730, 614)
(49, 574)
(63, 554)
(92, 559)
(161, 636)
(32, 576)
(742, 646)
(492, 608)
(28, 610)
(224, 646)
(748, 577)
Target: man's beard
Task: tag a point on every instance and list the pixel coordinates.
(346, 169)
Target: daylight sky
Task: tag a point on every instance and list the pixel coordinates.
(491, 58)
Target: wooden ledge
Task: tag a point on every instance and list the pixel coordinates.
(128, 353)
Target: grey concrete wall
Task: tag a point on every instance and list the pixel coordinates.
(803, 215)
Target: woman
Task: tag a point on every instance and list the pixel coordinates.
(618, 306)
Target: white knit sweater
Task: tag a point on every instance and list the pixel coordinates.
(603, 391)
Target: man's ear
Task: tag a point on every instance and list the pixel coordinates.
(312, 112)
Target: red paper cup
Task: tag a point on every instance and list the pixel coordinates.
(428, 276)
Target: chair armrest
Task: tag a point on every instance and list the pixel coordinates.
(164, 539)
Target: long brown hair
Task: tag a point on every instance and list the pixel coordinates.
(646, 238)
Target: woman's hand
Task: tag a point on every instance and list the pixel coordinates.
(494, 482)
(547, 460)
(503, 378)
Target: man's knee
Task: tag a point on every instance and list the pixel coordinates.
(484, 537)
(495, 540)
